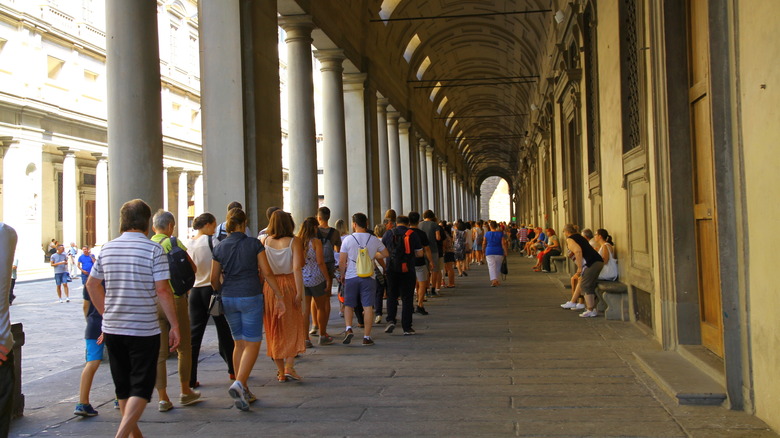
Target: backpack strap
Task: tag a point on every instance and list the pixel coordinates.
(211, 244)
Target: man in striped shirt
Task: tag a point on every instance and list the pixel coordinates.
(135, 271)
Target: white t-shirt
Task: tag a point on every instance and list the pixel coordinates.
(351, 244)
(199, 251)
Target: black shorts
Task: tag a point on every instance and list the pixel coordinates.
(133, 362)
(449, 257)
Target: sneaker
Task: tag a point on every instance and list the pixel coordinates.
(116, 404)
(236, 391)
(164, 406)
(348, 337)
(421, 310)
(67, 300)
(341, 314)
(368, 342)
(325, 340)
(579, 306)
(85, 410)
(409, 332)
(189, 399)
(250, 398)
(60, 300)
(313, 331)
(589, 314)
(569, 305)
(390, 327)
(378, 319)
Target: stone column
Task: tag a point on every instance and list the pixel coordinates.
(384, 156)
(334, 132)
(197, 188)
(134, 108)
(183, 211)
(431, 179)
(394, 153)
(446, 203)
(166, 189)
(424, 203)
(23, 206)
(70, 228)
(301, 140)
(101, 199)
(222, 115)
(407, 173)
(356, 143)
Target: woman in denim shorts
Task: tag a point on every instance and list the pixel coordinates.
(238, 259)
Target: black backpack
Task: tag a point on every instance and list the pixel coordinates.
(182, 275)
(402, 256)
(328, 252)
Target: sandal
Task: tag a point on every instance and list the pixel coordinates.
(281, 377)
(291, 374)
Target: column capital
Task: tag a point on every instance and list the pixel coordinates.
(330, 59)
(403, 124)
(382, 103)
(297, 27)
(99, 156)
(354, 78)
(392, 117)
(66, 151)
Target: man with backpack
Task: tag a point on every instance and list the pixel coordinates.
(331, 242)
(404, 247)
(356, 266)
(221, 233)
(181, 278)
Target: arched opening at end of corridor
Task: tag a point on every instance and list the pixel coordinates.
(495, 205)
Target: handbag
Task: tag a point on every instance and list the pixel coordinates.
(504, 268)
(215, 305)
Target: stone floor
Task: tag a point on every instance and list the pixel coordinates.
(487, 361)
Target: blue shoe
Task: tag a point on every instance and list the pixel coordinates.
(85, 410)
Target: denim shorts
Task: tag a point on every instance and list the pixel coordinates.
(245, 317)
(359, 290)
(94, 351)
(61, 277)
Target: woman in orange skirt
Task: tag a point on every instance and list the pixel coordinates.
(285, 333)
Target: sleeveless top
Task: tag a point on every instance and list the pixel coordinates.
(494, 244)
(589, 254)
(312, 275)
(280, 260)
(610, 270)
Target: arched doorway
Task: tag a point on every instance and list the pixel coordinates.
(496, 199)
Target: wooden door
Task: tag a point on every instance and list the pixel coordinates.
(89, 223)
(705, 209)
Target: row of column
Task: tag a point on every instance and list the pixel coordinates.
(363, 170)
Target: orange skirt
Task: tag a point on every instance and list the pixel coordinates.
(284, 334)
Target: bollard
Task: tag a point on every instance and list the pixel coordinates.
(18, 331)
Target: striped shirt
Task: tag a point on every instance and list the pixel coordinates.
(130, 265)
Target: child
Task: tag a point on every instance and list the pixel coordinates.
(94, 338)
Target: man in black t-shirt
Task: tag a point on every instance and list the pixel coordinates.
(422, 265)
(401, 278)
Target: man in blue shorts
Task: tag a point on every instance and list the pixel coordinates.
(61, 276)
(94, 338)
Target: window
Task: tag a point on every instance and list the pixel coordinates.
(173, 44)
(89, 179)
(54, 67)
(441, 104)
(423, 67)
(90, 77)
(411, 47)
(388, 6)
(435, 91)
(449, 118)
(88, 11)
(452, 128)
(194, 54)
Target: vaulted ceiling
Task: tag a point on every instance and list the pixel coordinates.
(484, 57)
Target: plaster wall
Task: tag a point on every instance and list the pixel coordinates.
(758, 91)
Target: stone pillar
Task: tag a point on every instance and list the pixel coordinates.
(356, 143)
(222, 115)
(424, 203)
(197, 197)
(334, 132)
(431, 179)
(70, 228)
(446, 201)
(166, 201)
(301, 140)
(394, 153)
(134, 108)
(101, 199)
(183, 213)
(407, 169)
(384, 156)
(23, 206)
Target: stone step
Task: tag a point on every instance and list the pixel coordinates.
(681, 379)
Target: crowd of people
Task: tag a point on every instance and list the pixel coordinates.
(276, 287)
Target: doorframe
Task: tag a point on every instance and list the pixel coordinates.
(677, 248)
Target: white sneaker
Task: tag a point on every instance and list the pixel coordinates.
(569, 305)
(378, 319)
(578, 306)
(589, 314)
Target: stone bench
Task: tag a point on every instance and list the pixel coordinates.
(558, 263)
(613, 300)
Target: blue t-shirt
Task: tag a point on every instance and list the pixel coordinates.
(56, 258)
(542, 238)
(86, 263)
(494, 246)
(237, 255)
(94, 322)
